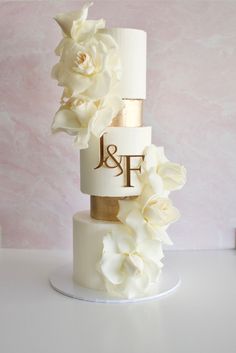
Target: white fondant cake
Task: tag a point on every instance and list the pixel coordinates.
(117, 247)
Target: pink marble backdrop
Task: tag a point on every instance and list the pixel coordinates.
(191, 104)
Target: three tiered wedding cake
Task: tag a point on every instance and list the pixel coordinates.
(118, 244)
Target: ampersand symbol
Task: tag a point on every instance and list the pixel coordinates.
(111, 150)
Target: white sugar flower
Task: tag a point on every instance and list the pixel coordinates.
(129, 267)
(76, 26)
(148, 215)
(92, 69)
(80, 117)
(162, 175)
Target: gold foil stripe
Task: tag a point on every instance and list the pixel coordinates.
(131, 115)
(106, 208)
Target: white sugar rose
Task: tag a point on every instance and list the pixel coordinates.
(162, 175)
(148, 215)
(80, 117)
(129, 268)
(91, 69)
(76, 26)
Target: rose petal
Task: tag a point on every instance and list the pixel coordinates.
(155, 181)
(65, 20)
(173, 175)
(102, 120)
(107, 39)
(146, 196)
(125, 207)
(85, 111)
(153, 157)
(125, 241)
(99, 86)
(55, 71)
(76, 82)
(111, 267)
(163, 236)
(83, 32)
(136, 221)
(152, 250)
(60, 47)
(82, 139)
(65, 120)
(136, 262)
(153, 271)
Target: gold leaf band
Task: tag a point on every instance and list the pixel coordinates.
(106, 208)
(131, 115)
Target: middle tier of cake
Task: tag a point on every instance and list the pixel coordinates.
(111, 164)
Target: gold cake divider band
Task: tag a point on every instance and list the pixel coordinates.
(131, 115)
(106, 208)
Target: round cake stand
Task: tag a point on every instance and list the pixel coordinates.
(61, 280)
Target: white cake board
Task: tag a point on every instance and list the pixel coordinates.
(61, 280)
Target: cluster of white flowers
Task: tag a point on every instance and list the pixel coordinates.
(131, 259)
(89, 70)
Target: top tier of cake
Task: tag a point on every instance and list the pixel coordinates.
(132, 46)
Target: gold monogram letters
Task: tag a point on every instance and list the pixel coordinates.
(109, 159)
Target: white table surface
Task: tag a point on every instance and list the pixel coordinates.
(200, 317)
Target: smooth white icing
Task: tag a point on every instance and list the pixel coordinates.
(132, 45)
(103, 181)
(88, 236)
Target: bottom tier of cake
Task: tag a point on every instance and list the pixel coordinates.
(88, 236)
(109, 258)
